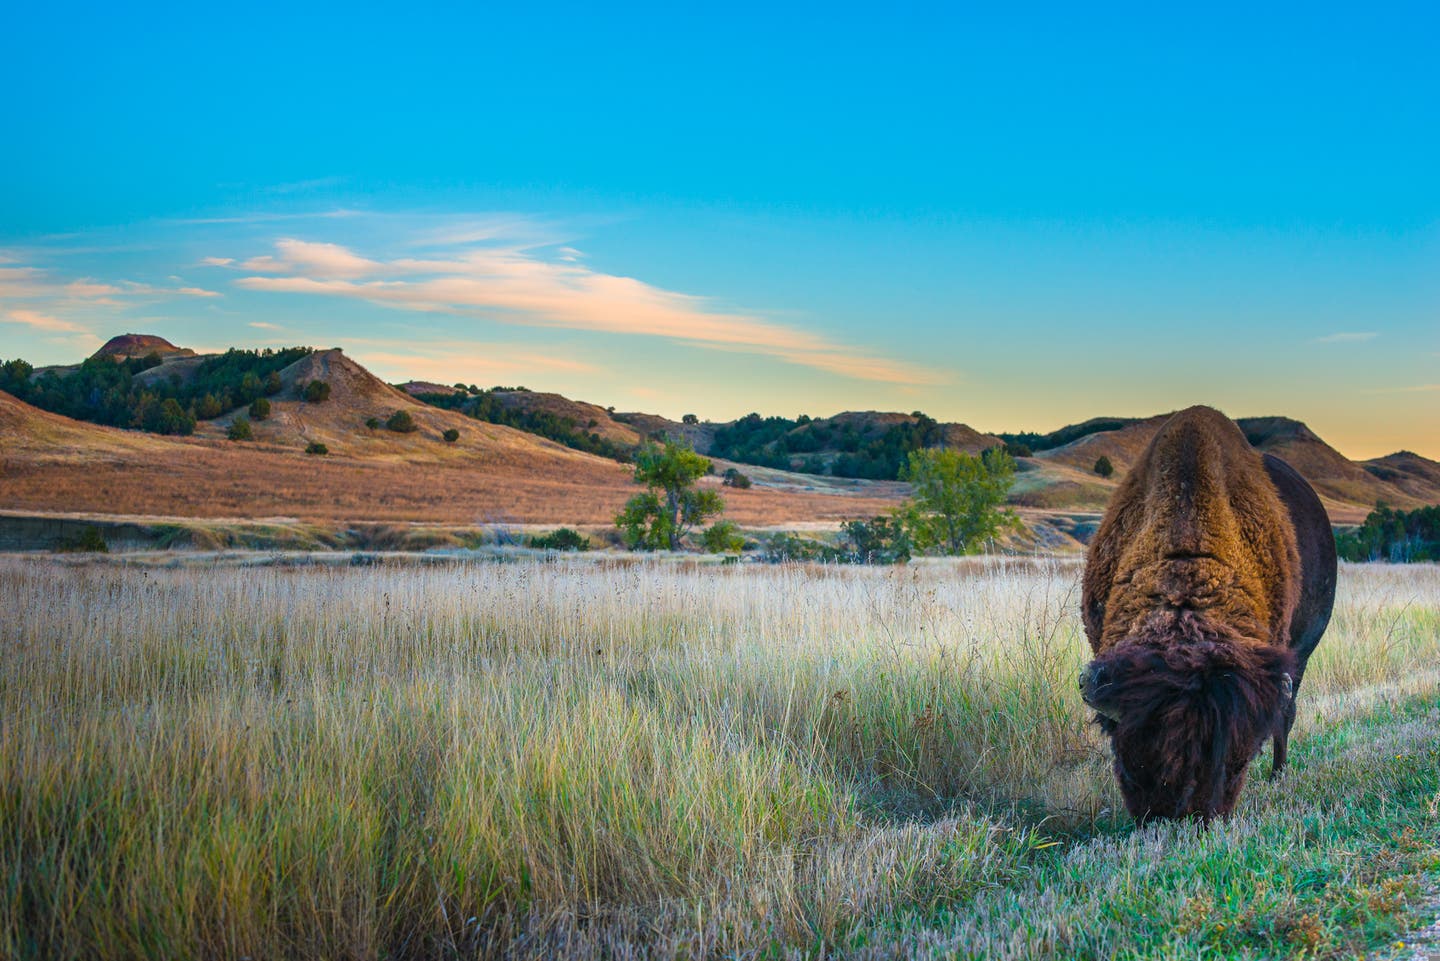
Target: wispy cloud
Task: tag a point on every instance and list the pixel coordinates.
(517, 283)
(45, 300)
(262, 217)
(264, 325)
(1346, 337)
(39, 321)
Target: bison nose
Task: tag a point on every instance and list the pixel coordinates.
(1092, 677)
(1095, 690)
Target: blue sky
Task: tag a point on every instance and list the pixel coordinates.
(1015, 220)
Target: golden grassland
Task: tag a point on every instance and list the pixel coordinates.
(492, 475)
(637, 759)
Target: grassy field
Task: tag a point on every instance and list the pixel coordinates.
(604, 758)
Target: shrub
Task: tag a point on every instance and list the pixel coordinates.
(561, 539)
(373, 423)
(86, 540)
(781, 546)
(1018, 449)
(451, 435)
(689, 419)
(317, 391)
(316, 447)
(401, 422)
(240, 430)
(272, 382)
(1103, 467)
(733, 478)
(722, 537)
(259, 409)
(880, 540)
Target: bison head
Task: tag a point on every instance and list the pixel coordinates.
(1186, 715)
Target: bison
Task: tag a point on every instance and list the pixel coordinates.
(1206, 588)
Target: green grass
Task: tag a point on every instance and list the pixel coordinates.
(584, 757)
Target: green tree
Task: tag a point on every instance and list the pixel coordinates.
(1103, 467)
(315, 447)
(209, 407)
(401, 422)
(662, 516)
(958, 496)
(317, 391)
(451, 435)
(240, 430)
(259, 409)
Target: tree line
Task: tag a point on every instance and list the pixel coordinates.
(486, 405)
(796, 444)
(1388, 534)
(106, 390)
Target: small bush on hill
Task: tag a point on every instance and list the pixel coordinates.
(315, 447)
(240, 430)
(689, 419)
(1103, 467)
(317, 391)
(1017, 449)
(401, 422)
(259, 409)
(733, 478)
(373, 423)
(451, 435)
(561, 539)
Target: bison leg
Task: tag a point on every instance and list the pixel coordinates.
(1282, 740)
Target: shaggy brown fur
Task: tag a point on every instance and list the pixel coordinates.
(1190, 587)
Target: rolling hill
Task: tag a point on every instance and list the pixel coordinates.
(491, 475)
(49, 462)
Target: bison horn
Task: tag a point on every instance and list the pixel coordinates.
(1093, 681)
(1287, 686)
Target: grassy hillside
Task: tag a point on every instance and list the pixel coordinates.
(507, 455)
(581, 759)
(491, 475)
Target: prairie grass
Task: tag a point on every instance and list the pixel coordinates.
(662, 760)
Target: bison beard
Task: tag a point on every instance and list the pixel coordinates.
(1185, 720)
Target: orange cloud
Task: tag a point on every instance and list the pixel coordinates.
(515, 285)
(33, 318)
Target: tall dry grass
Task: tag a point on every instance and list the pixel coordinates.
(559, 757)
